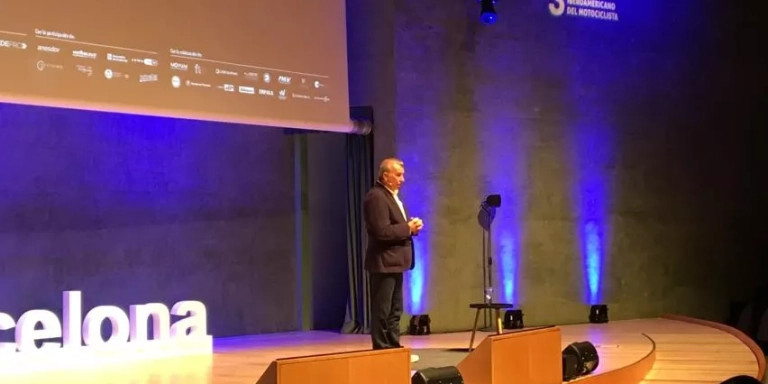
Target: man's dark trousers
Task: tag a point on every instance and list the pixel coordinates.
(386, 309)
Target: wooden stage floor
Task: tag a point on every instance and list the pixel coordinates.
(685, 352)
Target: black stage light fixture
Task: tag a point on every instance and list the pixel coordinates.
(513, 319)
(441, 375)
(420, 325)
(579, 359)
(598, 313)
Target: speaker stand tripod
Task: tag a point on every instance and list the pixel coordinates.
(491, 310)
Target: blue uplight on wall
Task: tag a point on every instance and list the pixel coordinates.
(416, 280)
(509, 258)
(593, 256)
(594, 79)
(594, 149)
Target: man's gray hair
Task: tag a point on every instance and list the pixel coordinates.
(387, 164)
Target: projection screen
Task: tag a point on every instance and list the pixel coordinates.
(279, 63)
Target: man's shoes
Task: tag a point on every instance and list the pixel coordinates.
(414, 358)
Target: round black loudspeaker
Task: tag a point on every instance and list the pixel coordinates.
(441, 375)
(579, 358)
(741, 379)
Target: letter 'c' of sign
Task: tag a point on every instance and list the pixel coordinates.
(6, 323)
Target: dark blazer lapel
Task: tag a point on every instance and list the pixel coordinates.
(392, 203)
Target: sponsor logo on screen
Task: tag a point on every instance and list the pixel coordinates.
(12, 44)
(225, 72)
(42, 65)
(246, 90)
(148, 78)
(85, 54)
(85, 69)
(48, 49)
(176, 66)
(149, 62)
(117, 58)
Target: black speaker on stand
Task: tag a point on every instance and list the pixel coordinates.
(488, 209)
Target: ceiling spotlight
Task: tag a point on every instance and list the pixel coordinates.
(487, 12)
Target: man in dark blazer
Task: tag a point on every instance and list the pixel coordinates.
(389, 252)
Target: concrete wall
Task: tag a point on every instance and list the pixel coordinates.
(633, 141)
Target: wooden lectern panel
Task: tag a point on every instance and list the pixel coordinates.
(387, 366)
(520, 357)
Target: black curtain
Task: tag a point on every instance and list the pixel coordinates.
(360, 178)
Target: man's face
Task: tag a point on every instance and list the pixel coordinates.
(395, 177)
